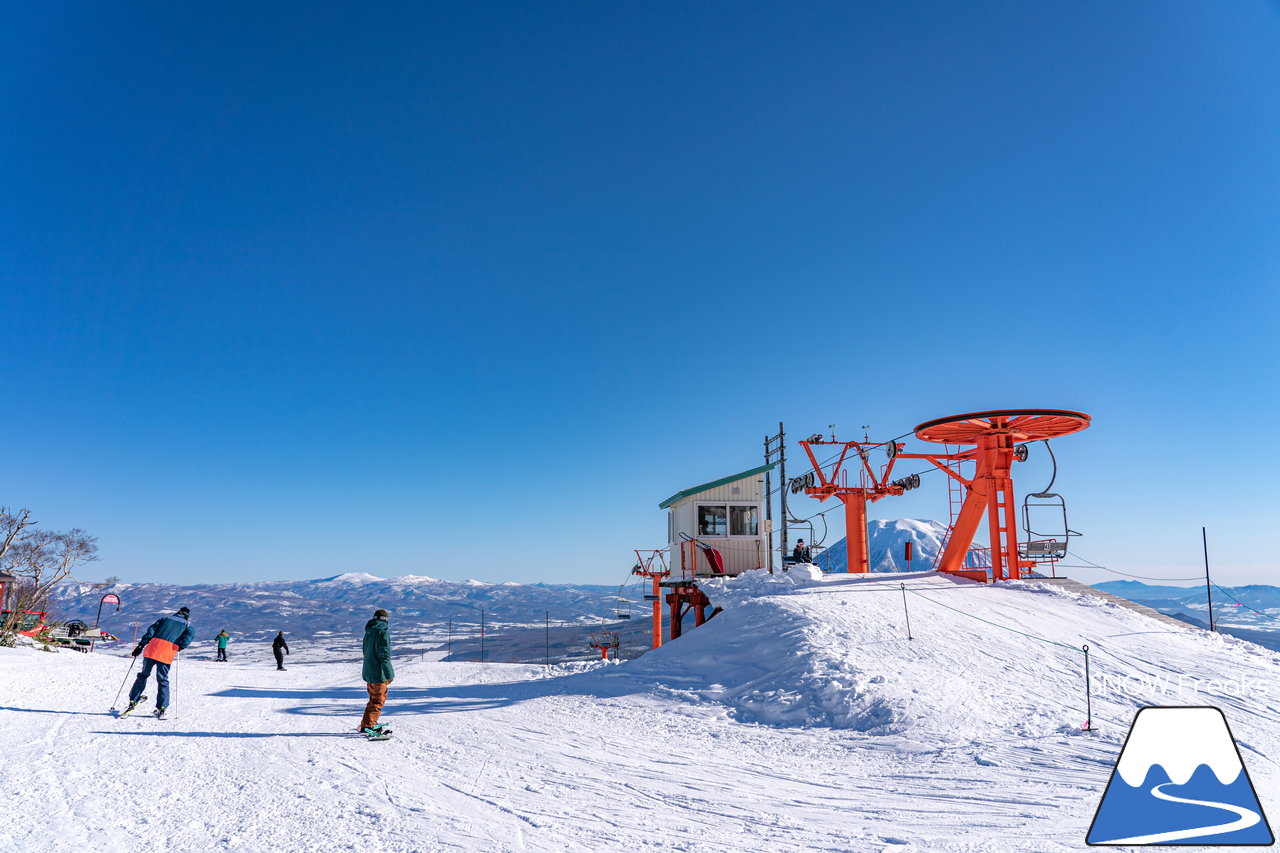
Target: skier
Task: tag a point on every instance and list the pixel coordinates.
(377, 673)
(222, 638)
(167, 636)
(801, 554)
(279, 648)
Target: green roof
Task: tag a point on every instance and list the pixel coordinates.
(705, 486)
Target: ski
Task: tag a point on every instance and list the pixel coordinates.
(132, 705)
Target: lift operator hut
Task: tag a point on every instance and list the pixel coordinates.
(725, 514)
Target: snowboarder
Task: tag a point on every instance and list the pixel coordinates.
(377, 673)
(159, 646)
(801, 554)
(279, 648)
(222, 638)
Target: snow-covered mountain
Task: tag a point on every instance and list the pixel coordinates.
(885, 541)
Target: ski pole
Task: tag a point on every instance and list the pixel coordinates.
(123, 683)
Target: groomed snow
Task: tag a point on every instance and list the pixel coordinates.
(800, 718)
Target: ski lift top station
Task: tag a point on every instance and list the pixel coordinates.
(719, 529)
(992, 441)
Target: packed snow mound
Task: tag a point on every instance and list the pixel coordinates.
(761, 582)
(885, 541)
(834, 652)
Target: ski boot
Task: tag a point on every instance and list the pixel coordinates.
(135, 703)
(377, 731)
(159, 713)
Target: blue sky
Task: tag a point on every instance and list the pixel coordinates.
(466, 292)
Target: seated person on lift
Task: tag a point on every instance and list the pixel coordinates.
(801, 554)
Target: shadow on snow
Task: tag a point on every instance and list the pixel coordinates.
(455, 698)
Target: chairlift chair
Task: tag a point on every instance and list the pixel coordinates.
(1043, 545)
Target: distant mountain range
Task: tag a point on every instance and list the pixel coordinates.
(520, 618)
(1166, 598)
(422, 610)
(1249, 612)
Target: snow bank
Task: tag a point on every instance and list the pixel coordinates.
(761, 582)
(803, 650)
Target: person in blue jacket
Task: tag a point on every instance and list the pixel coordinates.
(167, 636)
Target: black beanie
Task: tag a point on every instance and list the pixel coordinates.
(182, 611)
(380, 614)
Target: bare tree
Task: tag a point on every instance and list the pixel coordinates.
(12, 529)
(42, 559)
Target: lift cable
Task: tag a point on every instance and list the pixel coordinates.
(1242, 604)
(1092, 565)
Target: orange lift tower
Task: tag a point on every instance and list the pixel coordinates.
(996, 438)
(653, 566)
(604, 641)
(872, 486)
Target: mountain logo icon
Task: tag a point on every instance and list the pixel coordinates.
(1180, 780)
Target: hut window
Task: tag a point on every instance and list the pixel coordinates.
(711, 521)
(743, 521)
(728, 520)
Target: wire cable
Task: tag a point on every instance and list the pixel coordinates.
(1093, 565)
(996, 624)
(1242, 604)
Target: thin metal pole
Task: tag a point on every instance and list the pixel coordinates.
(547, 617)
(1208, 590)
(782, 480)
(768, 501)
(1088, 692)
(122, 684)
(905, 611)
(448, 648)
(481, 635)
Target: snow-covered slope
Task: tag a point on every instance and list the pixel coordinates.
(885, 541)
(800, 718)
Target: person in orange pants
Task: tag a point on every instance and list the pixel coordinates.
(378, 672)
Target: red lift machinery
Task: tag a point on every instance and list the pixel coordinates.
(872, 486)
(604, 641)
(997, 438)
(652, 564)
(684, 592)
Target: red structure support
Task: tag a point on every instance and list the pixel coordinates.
(872, 486)
(653, 564)
(604, 641)
(995, 436)
(684, 592)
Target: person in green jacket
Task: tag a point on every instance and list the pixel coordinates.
(222, 638)
(377, 672)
